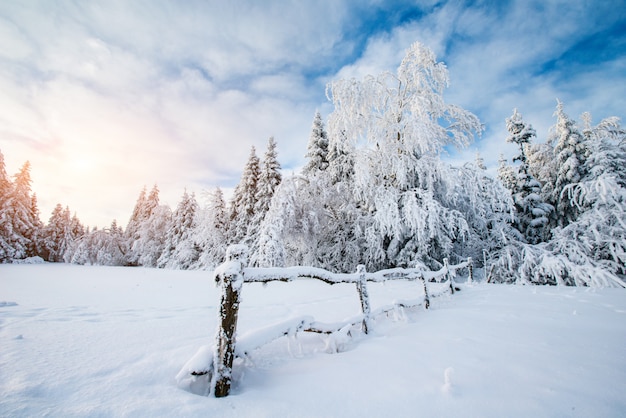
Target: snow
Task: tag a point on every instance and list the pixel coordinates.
(109, 341)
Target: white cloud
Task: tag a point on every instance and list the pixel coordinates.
(106, 97)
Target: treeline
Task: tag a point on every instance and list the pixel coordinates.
(375, 191)
(188, 237)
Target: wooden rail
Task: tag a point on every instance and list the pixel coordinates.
(230, 276)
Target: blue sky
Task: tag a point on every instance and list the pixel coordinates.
(104, 97)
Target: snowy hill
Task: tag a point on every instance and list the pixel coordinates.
(106, 341)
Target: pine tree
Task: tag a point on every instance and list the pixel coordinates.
(480, 162)
(532, 211)
(269, 179)
(317, 148)
(57, 234)
(180, 250)
(244, 198)
(105, 247)
(506, 174)
(570, 152)
(543, 167)
(146, 229)
(211, 232)
(23, 215)
(341, 159)
(607, 149)
(7, 251)
(137, 217)
(269, 250)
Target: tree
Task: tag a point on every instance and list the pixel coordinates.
(269, 179)
(6, 226)
(317, 148)
(570, 152)
(22, 213)
(488, 208)
(506, 174)
(270, 251)
(146, 229)
(152, 241)
(607, 149)
(211, 231)
(402, 124)
(57, 234)
(532, 211)
(180, 250)
(590, 248)
(244, 200)
(105, 247)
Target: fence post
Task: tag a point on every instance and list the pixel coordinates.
(426, 297)
(470, 268)
(448, 274)
(361, 288)
(229, 276)
(484, 266)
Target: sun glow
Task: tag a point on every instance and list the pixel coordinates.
(81, 164)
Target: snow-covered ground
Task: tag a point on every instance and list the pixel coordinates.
(102, 341)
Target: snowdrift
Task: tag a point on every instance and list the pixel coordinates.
(105, 341)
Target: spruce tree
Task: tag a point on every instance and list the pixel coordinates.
(211, 231)
(6, 227)
(506, 174)
(57, 234)
(317, 148)
(146, 229)
(23, 215)
(532, 211)
(269, 179)
(244, 200)
(180, 250)
(570, 152)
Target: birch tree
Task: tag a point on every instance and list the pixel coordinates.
(400, 124)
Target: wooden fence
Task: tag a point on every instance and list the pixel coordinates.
(214, 365)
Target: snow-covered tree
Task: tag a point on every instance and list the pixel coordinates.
(532, 211)
(570, 152)
(401, 124)
(479, 161)
(590, 249)
(607, 149)
(599, 231)
(146, 229)
(104, 247)
(58, 236)
(211, 231)
(6, 226)
(269, 179)
(542, 166)
(317, 148)
(488, 208)
(244, 200)
(140, 213)
(22, 213)
(270, 250)
(180, 250)
(151, 242)
(506, 174)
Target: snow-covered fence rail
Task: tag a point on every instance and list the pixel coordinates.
(231, 276)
